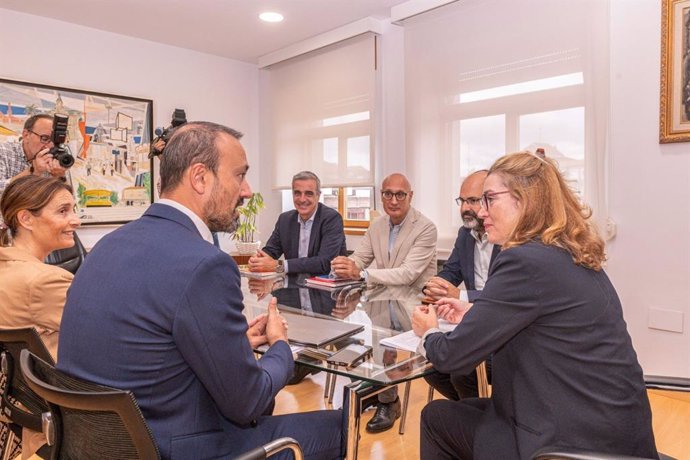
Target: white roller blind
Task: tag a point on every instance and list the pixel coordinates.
(487, 77)
(319, 113)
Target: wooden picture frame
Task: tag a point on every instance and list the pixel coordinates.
(109, 137)
(674, 116)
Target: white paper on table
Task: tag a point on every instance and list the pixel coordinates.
(409, 341)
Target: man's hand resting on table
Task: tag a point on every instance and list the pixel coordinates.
(437, 288)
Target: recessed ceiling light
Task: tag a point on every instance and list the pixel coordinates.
(271, 16)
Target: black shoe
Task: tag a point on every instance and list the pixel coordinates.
(300, 373)
(385, 417)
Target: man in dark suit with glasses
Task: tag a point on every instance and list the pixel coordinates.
(469, 263)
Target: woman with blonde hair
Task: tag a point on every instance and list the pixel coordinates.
(37, 218)
(564, 370)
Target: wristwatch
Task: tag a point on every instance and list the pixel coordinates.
(280, 268)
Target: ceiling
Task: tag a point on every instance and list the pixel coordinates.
(228, 28)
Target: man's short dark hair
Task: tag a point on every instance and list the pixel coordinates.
(31, 121)
(194, 142)
(308, 175)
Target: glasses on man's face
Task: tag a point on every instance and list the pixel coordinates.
(489, 197)
(472, 201)
(388, 195)
(44, 138)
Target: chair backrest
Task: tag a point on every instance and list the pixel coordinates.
(71, 258)
(89, 420)
(15, 390)
(483, 387)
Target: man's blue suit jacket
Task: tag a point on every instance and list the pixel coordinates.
(327, 240)
(157, 310)
(460, 264)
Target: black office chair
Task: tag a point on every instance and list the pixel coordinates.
(571, 453)
(94, 421)
(88, 420)
(28, 412)
(71, 258)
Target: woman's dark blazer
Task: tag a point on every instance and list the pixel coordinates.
(564, 369)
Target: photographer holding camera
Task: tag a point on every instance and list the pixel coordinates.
(32, 154)
(179, 118)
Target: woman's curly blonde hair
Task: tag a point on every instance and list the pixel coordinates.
(549, 210)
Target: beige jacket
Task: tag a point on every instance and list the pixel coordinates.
(413, 258)
(32, 293)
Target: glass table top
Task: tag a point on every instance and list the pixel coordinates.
(383, 311)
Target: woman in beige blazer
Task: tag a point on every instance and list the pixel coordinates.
(37, 218)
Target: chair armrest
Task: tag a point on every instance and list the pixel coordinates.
(572, 453)
(273, 447)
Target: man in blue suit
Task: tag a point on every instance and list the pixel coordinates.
(309, 237)
(469, 263)
(157, 309)
(472, 254)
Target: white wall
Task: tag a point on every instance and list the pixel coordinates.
(210, 88)
(649, 260)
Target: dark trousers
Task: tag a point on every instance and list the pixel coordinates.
(456, 386)
(448, 428)
(322, 434)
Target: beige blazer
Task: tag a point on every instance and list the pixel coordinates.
(32, 293)
(413, 258)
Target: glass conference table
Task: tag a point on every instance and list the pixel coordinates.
(383, 311)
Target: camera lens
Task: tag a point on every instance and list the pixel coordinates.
(65, 159)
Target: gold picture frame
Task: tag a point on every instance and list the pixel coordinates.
(674, 114)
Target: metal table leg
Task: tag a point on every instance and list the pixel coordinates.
(353, 420)
(327, 386)
(406, 400)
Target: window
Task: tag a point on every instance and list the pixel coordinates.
(510, 76)
(319, 112)
(561, 133)
(353, 203)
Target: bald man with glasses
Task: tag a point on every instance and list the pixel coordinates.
(31, 154)
(472, 253)
(398, 249)
(468, 263)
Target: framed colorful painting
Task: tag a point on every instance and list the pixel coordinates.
(108, 135)
(674, 116)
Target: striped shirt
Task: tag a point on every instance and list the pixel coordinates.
(12, 162)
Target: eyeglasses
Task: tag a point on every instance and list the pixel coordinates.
(488, 198)
(44, 138)
(472, 201)
(388, 195)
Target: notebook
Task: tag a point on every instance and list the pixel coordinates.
(329, 282)
(317, 332)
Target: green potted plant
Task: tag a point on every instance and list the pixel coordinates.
(246, 228)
